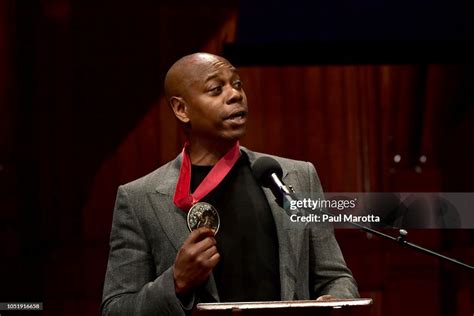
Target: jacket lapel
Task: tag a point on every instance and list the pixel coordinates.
(172, 219)
(290, 238)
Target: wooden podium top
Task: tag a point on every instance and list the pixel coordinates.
(283, 305)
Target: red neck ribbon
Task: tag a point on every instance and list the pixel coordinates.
(182, 196)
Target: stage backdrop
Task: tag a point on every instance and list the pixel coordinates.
(82, 111)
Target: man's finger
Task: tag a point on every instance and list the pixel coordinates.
(209, 252)
(214, 260)
(204, 244)
(326, 297)
(199, 234)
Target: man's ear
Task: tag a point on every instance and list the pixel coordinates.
(180, 109)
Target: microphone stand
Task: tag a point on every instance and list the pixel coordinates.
(401, 240)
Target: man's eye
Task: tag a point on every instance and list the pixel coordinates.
(216, 90)
(237, 84)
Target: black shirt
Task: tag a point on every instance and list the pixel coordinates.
(247, 239)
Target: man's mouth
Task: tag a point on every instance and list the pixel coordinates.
(237, 116)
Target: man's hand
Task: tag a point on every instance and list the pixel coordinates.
(326, 297)
(195, 260)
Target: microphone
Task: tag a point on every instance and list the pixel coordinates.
(268, 173)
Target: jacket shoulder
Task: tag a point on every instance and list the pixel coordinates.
(286, 163)
(149, 182)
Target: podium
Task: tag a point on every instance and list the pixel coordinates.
(277, 308)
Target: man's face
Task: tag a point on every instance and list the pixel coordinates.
(216, 102)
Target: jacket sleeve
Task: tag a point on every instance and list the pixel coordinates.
(329, 273)
(131, 285)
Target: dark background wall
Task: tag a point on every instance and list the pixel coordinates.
(296, 20)
(82, 111)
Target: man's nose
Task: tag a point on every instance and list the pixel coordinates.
(236, 95)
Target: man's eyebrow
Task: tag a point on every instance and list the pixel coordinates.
(215, 75)
(211, 76)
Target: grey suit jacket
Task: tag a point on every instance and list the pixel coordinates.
(148, 230)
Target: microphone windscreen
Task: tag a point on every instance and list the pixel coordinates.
(263, 168)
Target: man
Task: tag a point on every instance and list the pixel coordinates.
(156, 267)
